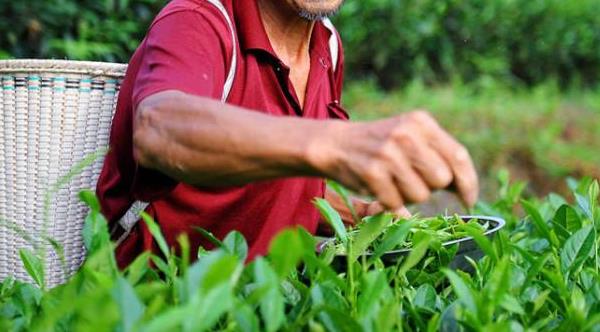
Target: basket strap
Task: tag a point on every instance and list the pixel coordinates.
(231, 75)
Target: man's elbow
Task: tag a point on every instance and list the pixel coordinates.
(146, 129)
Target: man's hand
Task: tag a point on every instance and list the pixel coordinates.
(398, 160)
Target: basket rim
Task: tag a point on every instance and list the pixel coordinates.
(93, 68)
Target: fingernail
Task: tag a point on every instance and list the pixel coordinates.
(403, 212)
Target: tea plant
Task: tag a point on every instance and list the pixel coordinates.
(541, 273)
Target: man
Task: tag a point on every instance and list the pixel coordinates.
(255, 163)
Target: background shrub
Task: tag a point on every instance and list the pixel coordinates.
(102, 30)
(517, 41)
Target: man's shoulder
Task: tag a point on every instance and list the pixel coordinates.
(202, 8)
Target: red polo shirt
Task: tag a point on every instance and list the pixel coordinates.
(189, 48)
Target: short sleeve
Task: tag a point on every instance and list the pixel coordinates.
(186, 50)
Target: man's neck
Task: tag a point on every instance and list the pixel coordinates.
(288, 33)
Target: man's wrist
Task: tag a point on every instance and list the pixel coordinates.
(321, 149)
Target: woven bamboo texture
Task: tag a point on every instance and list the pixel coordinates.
(52, 115)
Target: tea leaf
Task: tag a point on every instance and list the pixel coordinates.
(373, 288)
(368, 231)
(541, 225)
(286, 251)
(210, 237)
(271, 304)
(33, 265)
(156, 234)
(340, 190)
(462, 290)
(481, 240)
(130, 307)
(420, 246)
(235, 243)
(425, 297)
(577, 249)
(395, 235)
(138, 268)
(245, 318)
(333, 218)
(568, 219)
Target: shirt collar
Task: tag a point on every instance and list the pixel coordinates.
(252, 35)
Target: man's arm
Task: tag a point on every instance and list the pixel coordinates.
(204, 142)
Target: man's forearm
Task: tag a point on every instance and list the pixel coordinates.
(207, 143)
(204, 142)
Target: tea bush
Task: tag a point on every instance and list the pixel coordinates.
(519, 42)
(540, 273)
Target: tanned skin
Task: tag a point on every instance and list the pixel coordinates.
(204, 142)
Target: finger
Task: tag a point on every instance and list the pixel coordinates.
(374, 208)
(412, 187)
(428, 163)
(403, 212)
(459, 161)
(381, 184)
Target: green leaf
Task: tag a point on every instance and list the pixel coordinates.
(333, 218)
(236, 244)
(567, 218)
(340, 190)
(245, 318)
(130, 307)
(373, 288)
(168, 320)
(330, 315)
(482, 241)
(368, 231)
(156, 234)
(210, 237)
(593, 193)
(95, 232)
(511, 304)
(89, 198)
(539, 223)
(208, 306)
(395, 235)
(418, 251)
(577, 249)
(271, 305)
(286, 251)
(499, 281)
(426, 297)
(584, 205)
(462, 290)
(138, 268)
(34, 266)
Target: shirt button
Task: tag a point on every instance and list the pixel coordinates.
(323, 62)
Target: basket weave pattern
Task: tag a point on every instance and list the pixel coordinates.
(53, 114)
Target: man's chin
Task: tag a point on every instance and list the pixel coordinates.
(316, 14)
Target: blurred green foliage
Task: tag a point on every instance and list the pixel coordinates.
(520, 42)
(102, 30)
(541, 134)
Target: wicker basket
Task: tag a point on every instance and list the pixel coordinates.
(53, 114)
